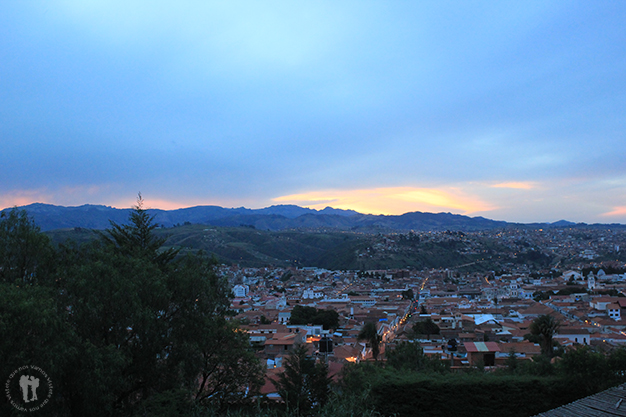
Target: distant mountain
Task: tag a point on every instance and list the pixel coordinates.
(563, 223)
(279, 217)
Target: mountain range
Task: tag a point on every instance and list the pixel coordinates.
(274, 218)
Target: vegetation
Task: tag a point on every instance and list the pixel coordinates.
(125, 324)
(330, 249)
(425, 327)
(304, 386)
(410, 381)
(544, 327)
(120, 325)
(328, 318)
(369, 333)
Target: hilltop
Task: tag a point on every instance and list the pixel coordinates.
(274, 218)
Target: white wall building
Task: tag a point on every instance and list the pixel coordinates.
(241, 291)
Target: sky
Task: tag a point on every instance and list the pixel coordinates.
(510, 110)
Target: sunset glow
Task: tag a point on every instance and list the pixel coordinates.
(515, 185)
(507, 110)
(393, 200)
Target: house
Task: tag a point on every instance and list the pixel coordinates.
(575, 334)
(481, 353)
(282, 343)
(601, 303)
(614, 311)
(284, 317)
(312, 293)
(523, 351)
(240, 291)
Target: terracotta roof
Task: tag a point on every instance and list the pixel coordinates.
(525, 347)
(281, 339)
(481, 346)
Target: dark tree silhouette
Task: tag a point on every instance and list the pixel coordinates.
(544, 327)
(369, 333)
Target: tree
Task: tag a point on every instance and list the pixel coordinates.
(369, 333)
(328, 318)
(136, 238)
(587, 369)
(304, 384)
(34, 332)
(25, 253)
(408, 294)
(426, 327)
(544, 327)
(452, 345)
(302, 315)
(511, 361)
(150, 324)
(408, 356)
(121, 326)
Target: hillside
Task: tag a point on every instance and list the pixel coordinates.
(50, 217)
(341, 250)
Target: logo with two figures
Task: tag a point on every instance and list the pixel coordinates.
(28, 388)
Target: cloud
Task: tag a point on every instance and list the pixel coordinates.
(20, 198)
(68, 195)
(515, 185)
(391, 200)
(617, 211)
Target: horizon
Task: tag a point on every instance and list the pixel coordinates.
(295, 205)
(508, 111)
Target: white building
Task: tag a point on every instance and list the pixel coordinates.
(240, 291)
(311, 294)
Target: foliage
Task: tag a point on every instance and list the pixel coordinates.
(304, 315)
(304, 385)
(469, 395)
(409, 356)
(119, 324)
(137, 238)
(401, 391)
(593, 371)
(369, 333)
(511, 361)
(545, 327)
(426, 327)
(25, 253)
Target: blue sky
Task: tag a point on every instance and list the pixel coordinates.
(508, 110)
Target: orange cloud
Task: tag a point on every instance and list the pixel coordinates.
(392, 200)
(515, 185)
(155, 203)
(617, 211)
(23, 198)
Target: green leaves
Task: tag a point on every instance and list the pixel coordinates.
(545, 327)
(369, 333)
(25, 253)
(136, 238)
(329, 318)
(304, 384)
(119, 323)
(425, 327)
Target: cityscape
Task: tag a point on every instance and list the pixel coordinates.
(286, 209)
